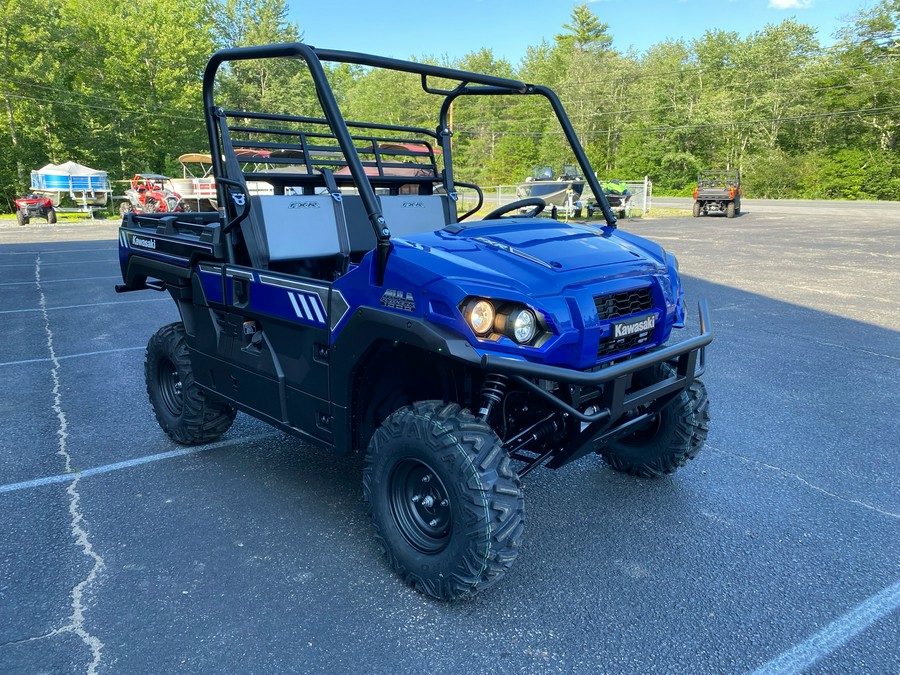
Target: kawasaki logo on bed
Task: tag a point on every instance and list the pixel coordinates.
(304, 205)
(634, 326)
(143, 242)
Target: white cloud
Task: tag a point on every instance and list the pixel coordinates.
(790, 4)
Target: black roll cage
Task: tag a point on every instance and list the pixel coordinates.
(231, 185)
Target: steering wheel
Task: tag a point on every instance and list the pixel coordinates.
(538, 204)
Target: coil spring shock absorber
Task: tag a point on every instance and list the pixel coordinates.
(492, 392)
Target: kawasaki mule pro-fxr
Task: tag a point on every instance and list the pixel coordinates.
(342, 296)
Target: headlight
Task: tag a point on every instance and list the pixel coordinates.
(492, 319)
(481, 317)
(524, 325)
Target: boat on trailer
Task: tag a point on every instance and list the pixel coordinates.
(563, 189)
(87, 188)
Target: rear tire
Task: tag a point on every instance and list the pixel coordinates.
(182, 409)
(447, 507)
(671, 438)
(51, 217)
(729, 210)
(696, 209)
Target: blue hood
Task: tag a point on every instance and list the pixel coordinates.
(540, 255)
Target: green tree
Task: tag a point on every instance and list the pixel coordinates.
(29, 84)
(277, 85)
(585, 32)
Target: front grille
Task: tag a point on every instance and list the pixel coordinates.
(623, 344)
(623, 304)
(611, 307)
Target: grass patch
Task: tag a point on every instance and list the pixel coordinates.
(663, 212)
(61, 217)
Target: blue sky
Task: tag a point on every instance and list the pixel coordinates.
(404, 28)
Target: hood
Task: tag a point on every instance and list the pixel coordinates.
(534, 254)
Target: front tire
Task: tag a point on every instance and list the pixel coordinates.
(448, 509)
(670, 438)
(182, 409)
(21, 218)
(125, 207)
(51, 217)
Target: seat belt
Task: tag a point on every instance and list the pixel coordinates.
(343, 233)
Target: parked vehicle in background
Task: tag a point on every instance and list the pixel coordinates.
(619, 197)
(718, 192)
(34, 206)
(151, 193)
(559, 191)
(552, 188)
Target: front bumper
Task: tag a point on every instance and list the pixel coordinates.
(610, 417)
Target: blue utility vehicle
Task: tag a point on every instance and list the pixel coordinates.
(352, 304)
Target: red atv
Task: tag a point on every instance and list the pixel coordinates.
(34, 206)
(151, 193)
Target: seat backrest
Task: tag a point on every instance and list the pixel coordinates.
(285, 228)
(282, 227)
(414, 214)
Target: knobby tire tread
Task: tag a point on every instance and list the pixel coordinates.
(493, 518)
(690, 413)
(203, 420)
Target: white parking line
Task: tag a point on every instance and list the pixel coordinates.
(57, 250)
(93, 304)
(137, 461)
(58, 281)
(71, 356)
(835, 635)
(68, 262)
(79, 527)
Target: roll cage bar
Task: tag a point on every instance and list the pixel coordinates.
(231, 179)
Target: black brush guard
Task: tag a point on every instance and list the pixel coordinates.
(608, 419)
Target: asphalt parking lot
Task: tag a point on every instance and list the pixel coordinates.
(777, 550)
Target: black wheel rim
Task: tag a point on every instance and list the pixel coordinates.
(170, 387)
(420, 506)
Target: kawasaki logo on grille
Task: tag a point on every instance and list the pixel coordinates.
(624, 329)
(144, 243)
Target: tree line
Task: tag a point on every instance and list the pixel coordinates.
(115, 84)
